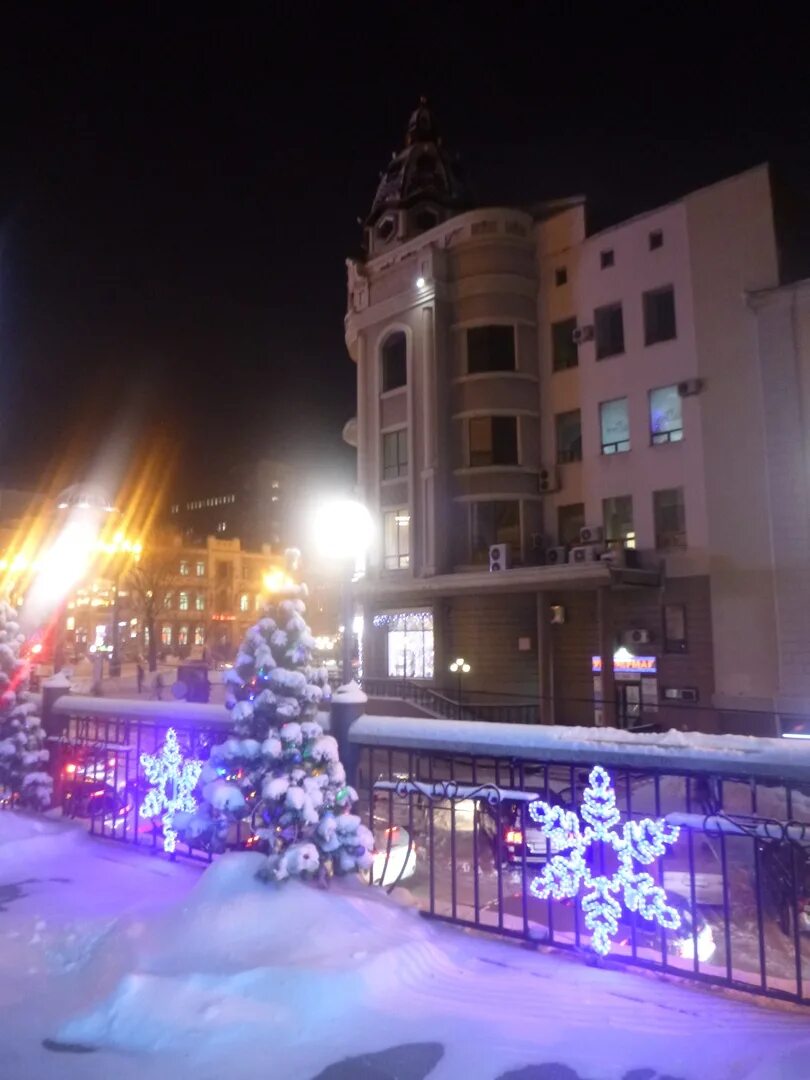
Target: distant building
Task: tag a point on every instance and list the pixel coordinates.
(587, 454)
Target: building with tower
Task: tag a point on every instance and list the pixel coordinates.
(565, 440)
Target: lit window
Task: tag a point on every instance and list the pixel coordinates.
(396, 539)
(184, 568)
(410, 645)
(182, 636)
(615, 425)
(244, 602)
(222, 526)
(166, 634)
(167, 600)
(70, 622)
(182, 601)
(666, 415)
(274, 485)
(395, 454)
(199, 601)
(200, 569)
(199, 635)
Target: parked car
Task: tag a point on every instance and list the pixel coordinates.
(509, 818)
(783, 863)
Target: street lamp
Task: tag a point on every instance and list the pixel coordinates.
(459, 668)
(342, 531)
(120, 549)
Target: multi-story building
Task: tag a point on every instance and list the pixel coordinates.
(590, 414)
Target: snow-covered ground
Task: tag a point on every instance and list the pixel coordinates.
(115, 963)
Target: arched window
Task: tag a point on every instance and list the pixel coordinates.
(394, 361)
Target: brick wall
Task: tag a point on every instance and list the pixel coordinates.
(485, 630)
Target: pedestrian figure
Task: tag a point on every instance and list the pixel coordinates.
(140, 674)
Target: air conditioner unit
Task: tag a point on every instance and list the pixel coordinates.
(556, 556)
(591, 534)
(585, 553)
(636, 637)
(582, 333)
(500, 557)
(690, 387)
(549, 479)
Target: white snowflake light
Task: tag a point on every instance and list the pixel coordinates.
(173, 780)
(638, 842)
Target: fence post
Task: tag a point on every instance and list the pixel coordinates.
(52, 690)
(348, 702)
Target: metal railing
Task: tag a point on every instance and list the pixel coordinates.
(460, 838)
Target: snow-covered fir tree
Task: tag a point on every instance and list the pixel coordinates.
(22, 754)
(278, 768)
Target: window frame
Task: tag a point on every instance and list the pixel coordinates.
(607, 258)
(661, 438)
(484, 349)
(674, 645)
(480, 556)
(646, 297)
(620, 446)
(399, 559)
(630, 534)
(488, 458)
(567, 457)
(400, 434)
(580, 517)
(600, 315)
(557, 329)
(392, 336)
(678, 537)
(182, 601)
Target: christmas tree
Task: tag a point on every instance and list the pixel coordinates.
(278, 767)
(22, 755)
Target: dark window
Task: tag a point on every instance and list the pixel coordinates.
(490, 348)
(394, 362)
(656, 239)
(614, 422)
(659, 315)
(617, 514)
(563, 348)
(670, 518)
(606, 258)
(609, 331)
(675, 628)
(560, 275)
(385, 230)
(493, 523)
(493, 440)
(569, 436)
(570, 520)
(395, 454)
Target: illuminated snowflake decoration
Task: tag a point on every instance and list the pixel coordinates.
(173, 780)
(565, 875)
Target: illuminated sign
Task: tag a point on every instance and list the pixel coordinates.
(627, 665)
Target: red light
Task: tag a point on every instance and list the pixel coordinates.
(514, 836)
(393, 832)
(70, 768)
(37, 648)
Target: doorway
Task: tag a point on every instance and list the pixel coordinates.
(628, 704)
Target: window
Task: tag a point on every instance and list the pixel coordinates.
(670, 518)
(410, 645)
(166, 634)
(615, 425)
(396, 539)
(675, 628)
(182, 636)
(570, 520)
(182, 601)
(394, 361)
(496, 522)
(569, 436)
(490, 348)
(395, 454)
(167, 600)
(564, 352)
(659, 315)
(199, 602)
(560, 275)
(666, 418)
(244, 602)
(617, 514)
(199, 635)
(222, 526)
(200, 569)
(224, 571)
(656, 239)
(184, 568)
(493, 440)
(608, 326)
(606, 258)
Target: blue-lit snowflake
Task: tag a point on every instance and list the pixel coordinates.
(174, 780)
(566, 874)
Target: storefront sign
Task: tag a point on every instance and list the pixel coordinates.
(627, 665)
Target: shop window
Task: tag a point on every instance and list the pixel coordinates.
(666, 415)
(670, 519)
(564, 353)
(394, 356)
(608, 325)
(659, 315)
(614, 421)
(493, 440)
(396, 539)
(617, 515)
(675, 628)
(410, 645)
(490, 348)
(496, 522)
(395, 454)
(570, 520)
(568, 427)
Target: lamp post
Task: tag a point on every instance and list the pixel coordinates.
(342, 533)
(460, 668)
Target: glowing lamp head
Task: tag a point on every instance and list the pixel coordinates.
(420, 282)
(460, 666)
(342, 529)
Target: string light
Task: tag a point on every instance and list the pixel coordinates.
(385, 619)
(173, 781)
(565, 875)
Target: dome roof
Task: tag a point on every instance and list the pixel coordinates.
(421, 172)
(83, 497)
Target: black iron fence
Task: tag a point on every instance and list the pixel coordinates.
(459, 834)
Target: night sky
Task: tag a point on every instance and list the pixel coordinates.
(178, 195)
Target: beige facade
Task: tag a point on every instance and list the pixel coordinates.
(479, 422)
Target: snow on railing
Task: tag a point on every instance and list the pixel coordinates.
(132, 709)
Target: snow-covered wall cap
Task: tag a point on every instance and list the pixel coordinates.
(732, 755)
(59, 681)
(349, 694)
